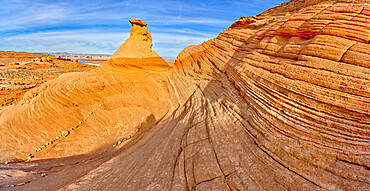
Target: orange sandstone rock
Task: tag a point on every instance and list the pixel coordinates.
(279, 101)
(101, 106)
(136, 52)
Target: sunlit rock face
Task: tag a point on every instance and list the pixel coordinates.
(279, 101)
(301, 71)
(96, 108)
(139, 44)
(136, 52)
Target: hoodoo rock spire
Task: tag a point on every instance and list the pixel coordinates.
(136, 52)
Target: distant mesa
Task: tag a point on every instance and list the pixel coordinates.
(42, 59)
(37, 59)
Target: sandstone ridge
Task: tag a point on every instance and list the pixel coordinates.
(97, 100)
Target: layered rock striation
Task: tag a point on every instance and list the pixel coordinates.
(98, 108)
(303, 76)
(279, 101)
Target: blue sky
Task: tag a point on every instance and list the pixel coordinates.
(100, 27)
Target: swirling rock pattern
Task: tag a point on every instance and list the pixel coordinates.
(98, 107)
(279, 101)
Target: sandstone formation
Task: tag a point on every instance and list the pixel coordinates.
(90, 105)
(18, 74)
(279, 101)
(136, 52)
(42, 59)
(37, 59)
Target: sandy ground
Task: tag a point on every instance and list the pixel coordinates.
(19, 74)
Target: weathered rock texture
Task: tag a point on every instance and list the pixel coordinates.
(279, 101)
(98, 107)
(136, 53)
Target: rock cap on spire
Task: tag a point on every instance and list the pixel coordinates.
(137, 22)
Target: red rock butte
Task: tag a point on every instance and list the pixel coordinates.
(278, 101)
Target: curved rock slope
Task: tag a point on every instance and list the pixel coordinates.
(279, 101)
(303, 76)
(82, 112)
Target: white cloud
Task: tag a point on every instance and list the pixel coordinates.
(79, 41)
(36, 14)
(101, 26)
(94, 41)
(179, 39)
(25, 15)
